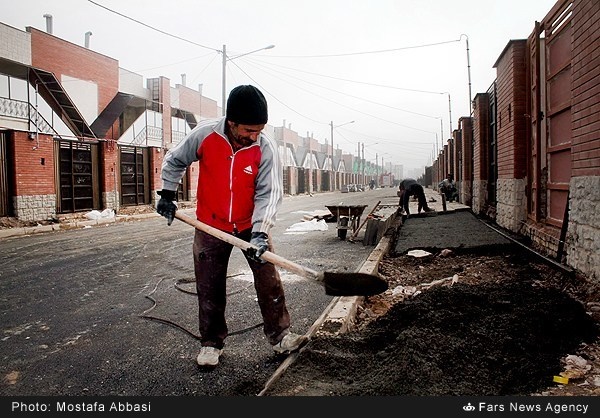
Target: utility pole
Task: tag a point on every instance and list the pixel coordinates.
(376, 169)
(223, 81)
(332, 166)
(363, 161)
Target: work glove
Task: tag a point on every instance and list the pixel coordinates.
(167, 206)
(260, 240)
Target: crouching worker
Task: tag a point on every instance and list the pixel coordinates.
(448, 188)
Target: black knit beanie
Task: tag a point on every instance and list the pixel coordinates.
(247, 105)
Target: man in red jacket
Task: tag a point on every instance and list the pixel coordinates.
(239, 191)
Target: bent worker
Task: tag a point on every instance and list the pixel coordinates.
(239, 191)
(409, 187)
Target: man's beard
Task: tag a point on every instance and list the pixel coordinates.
(242, 141)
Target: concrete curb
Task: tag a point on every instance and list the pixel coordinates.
(66, 225)
(342, 313)
(76, 224)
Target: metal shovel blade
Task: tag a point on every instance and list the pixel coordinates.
(353, 284)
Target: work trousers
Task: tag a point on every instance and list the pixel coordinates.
(415, 190)
(211, 260)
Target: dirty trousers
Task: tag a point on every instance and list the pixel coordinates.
(414, 190)
(211, 260)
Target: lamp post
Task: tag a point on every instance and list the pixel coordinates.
(333, 152)
(449, 113)
(225, 59)
(468, 73)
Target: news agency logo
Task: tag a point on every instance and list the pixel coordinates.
(468, 407)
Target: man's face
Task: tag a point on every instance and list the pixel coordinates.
(245, 135)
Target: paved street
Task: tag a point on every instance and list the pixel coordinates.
(110, 309)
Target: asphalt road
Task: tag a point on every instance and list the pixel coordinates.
(110, 310)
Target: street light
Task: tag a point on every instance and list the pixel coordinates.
(449, 113)
(468, 73)
(225, 59)
(332, 151)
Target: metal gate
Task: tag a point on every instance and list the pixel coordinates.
(325, 181)
(492, 151)
(302, 180)
(135, 185)
(287, 172)
(550, 109)
(5, 191)
(77, 176)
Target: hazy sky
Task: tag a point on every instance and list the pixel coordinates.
(392, 66)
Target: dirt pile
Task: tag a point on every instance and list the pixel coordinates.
(495, 325)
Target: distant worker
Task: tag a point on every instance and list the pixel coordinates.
(409, 187)
(448, 188)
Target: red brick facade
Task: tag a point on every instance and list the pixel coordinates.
(59, 56)
(586, 89)
(480, 137)
(109, 160)
(33, 164)
(512, 122)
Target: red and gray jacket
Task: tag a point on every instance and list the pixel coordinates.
(236, 190)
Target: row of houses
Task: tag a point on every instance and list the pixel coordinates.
(77, 133)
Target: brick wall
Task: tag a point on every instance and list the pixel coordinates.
(33, 176)
(512, 157)
(156, 159)
(33, 164)
(189, 100)
(209, 108)
(165, 98)
(511, 94)
(480, 152)
(583, 234)
(64, 58)
(585, 104)
(109, 169)
(456, 157)
(466, 186)
(480, 136)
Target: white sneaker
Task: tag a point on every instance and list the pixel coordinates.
(290, 343)
(209, 356)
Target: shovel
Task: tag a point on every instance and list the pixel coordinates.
(336, 284)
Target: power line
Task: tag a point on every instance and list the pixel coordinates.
(363, 99)
(381, 51)
(359, 82)
(155, 29)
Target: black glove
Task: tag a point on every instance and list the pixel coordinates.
(260, 240)
(167, 206)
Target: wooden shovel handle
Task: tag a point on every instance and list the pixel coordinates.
(244, 245)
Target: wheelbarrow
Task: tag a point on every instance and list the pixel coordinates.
(348, 218)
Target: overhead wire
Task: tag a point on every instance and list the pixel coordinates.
(347, 107)
(380, 51)
(219, 51)
(154, 28)
(361, 98)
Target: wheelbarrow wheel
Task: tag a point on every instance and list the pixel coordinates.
(343, 227)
